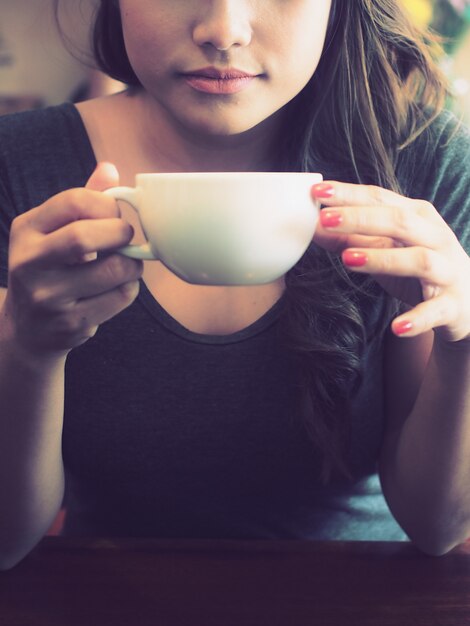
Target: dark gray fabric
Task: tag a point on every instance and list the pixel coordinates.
(175, 434)
(42, 153)
(437, 169)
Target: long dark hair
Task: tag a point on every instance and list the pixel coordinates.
(375, 92)
(376, 89)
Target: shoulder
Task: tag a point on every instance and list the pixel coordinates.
(39, 131)
(441, 147)
(42, 152)
(28, 124)
(446, 129)
(436, 167)
(447, 143)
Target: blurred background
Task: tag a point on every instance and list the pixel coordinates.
(38, 69)
(451, 20)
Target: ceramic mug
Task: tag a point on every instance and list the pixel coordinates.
(223, 228)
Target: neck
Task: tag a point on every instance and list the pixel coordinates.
(177, 148)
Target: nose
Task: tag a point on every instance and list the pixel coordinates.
(223, 25)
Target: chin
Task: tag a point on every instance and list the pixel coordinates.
(224, 126)
(214, 127)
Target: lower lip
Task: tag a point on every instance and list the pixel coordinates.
(219, 86)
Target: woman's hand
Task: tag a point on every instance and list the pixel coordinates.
(408, 248)
(59, 292)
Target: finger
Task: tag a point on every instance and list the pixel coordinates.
(103, 307)
(106, 175)
(337, 242)
(403, 226)
(426, 316)
(72, 329)
(333, 193)
(106, 274)
(336, 194)
(67, 207)
(77, 241)
(62, 289)
(416, 262)
(77, 204)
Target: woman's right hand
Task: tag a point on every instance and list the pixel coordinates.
(59, 292)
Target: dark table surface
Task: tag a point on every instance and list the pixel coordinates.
(101, 582)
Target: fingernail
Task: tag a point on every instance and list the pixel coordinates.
(323, 190)
(354, 258)
(403, 327)
(331, 219)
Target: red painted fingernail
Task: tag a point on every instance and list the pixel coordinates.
(354, 258)
(323, 190)
(331, 219)
(403, 327)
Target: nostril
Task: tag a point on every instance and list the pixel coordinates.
(222, 32)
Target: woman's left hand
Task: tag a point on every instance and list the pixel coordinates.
(407, 247)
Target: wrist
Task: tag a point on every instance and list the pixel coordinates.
(18, 351)
(29, 361)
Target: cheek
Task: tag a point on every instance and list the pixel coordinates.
(148, 41)
(146, 60)
(299, 63)
(300, 47)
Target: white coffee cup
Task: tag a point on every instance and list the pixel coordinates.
(223, 228)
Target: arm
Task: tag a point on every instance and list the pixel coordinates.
(413, 254)
(425, 461)
(58, 294)
(31, 473)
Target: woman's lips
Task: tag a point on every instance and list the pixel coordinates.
(213, 81)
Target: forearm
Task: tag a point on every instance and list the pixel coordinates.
(426, 473)
(31, 473)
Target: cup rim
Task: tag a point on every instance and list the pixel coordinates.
(227, 175)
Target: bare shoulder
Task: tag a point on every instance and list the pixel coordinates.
(405, 361)
(3, 295)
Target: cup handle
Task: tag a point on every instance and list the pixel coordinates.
(129, 195)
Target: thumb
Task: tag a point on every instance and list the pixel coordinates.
(106, 175)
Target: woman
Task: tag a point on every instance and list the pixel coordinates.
(241, 412)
